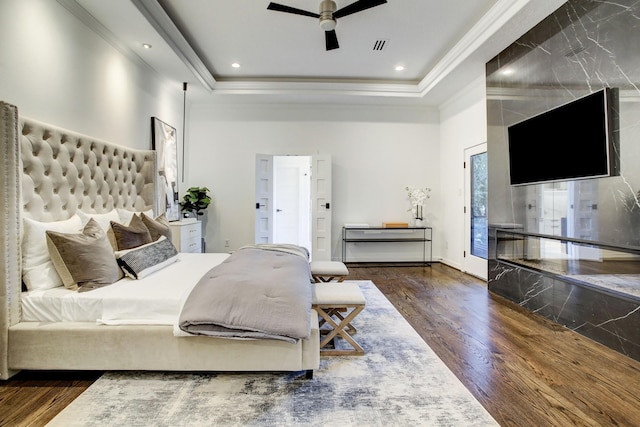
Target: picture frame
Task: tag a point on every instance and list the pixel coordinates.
(165, 142)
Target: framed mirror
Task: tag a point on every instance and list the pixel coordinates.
(165, 142)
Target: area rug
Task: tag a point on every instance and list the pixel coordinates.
(398, 382)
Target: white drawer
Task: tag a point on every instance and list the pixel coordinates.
(192, 247)
(187, 236)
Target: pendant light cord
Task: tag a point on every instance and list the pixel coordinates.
(184, 118)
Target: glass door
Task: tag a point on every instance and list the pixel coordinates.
(476, 236)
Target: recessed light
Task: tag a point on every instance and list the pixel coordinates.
(235, 65)
(146, 45)
(508, 71)
(399, 67)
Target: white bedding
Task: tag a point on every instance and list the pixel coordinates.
(154, 300)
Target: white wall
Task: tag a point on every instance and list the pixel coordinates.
(376, 152)
(56, 70)
(463, 124)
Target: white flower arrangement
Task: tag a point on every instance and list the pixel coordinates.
(417, 196)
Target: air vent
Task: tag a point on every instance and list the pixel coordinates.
(380, 45)
(575, 51)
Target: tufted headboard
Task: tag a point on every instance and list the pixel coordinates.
(63, 171)
(47, 173)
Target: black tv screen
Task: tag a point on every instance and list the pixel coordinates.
(573, 141)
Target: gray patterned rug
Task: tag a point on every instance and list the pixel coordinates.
(398, 382)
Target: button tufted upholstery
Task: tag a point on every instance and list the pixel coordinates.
(64, 171)
(48, 173)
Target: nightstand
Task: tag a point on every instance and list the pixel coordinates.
(186, 235)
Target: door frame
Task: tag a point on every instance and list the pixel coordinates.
(472, 264)
(321, 177)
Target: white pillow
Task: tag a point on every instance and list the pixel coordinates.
(38, 271)
(103, 220)
(125, 215)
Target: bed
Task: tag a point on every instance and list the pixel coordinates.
(51, 175)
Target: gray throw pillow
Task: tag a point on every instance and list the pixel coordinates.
(157, 227)
(131, 236)
(85, 260)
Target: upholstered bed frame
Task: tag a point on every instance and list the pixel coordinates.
(48, 173)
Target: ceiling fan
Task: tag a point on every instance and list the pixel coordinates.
(328, 15)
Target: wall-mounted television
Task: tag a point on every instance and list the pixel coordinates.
(576, 140)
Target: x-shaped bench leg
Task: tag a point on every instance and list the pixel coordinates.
(326, 279)
(340, 328)
(337, 311)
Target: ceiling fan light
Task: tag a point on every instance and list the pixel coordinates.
(327, 7)
(327, 24)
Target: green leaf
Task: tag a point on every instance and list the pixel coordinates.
(195, 200)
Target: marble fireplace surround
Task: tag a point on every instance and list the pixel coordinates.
(579, 49)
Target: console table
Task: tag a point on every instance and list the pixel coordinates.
(422, 235)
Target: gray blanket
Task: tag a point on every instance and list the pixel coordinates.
(260, 291)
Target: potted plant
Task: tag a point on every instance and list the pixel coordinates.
(195, 201)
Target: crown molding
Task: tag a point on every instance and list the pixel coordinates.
(490, 23)
(96, 26)
(314, 88)
(162, 23)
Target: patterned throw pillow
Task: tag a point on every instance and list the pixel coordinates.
(139, 262)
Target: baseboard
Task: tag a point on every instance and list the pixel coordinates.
(389, 264)
(451, 264)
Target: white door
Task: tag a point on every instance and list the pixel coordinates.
(554, 206)
(264, 198)
(475, 217)
(582, 219)
(320, 204)
(285, 198)
(292, 200)
(321, 208)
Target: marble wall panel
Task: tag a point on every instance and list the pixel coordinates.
(603, 316)
(584, 46)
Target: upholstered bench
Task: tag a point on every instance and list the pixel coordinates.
(338, 304)
(328, 271)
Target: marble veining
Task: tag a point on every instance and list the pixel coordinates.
(586, 309)
(584, 46)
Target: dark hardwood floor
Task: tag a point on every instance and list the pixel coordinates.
(525, 371)
(34, 398)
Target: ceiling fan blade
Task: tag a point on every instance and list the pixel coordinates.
(331, 40)
(358, 6)
(288, 9)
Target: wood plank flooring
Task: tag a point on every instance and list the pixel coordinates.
(525, 370)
